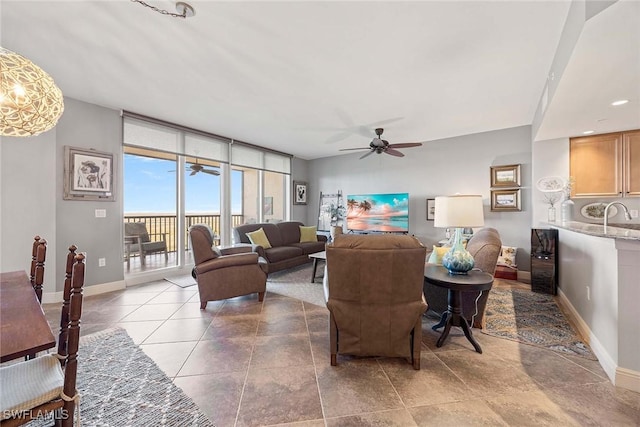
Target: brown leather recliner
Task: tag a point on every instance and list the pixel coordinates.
(225, 273)
(484, 246)
(373, 290)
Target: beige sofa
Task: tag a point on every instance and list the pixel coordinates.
(284, 237)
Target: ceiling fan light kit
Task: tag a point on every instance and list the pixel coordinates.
(379, 146)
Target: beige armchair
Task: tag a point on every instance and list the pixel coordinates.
(225, 273)
(137, 240)
(373, 290)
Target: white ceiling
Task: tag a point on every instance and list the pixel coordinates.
(306, 78)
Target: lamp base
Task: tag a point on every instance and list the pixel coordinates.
(458, 260)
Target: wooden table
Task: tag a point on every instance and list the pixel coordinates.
(24, 329)
(456, 284)
(315, 257)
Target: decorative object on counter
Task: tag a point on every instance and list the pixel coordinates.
(596, 210)
(567, 206)
(551, 198)
(551, 184)
(507, 176)
(459, 211)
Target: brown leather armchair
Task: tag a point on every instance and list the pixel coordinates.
(485, 247)
(373, 290)
(225, 273)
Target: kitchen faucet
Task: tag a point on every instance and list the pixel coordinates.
(627, 215)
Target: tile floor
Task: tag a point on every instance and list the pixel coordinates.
(247, 363)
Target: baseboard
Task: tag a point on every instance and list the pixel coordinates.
(524, 276)
(626, 378)
(606, 361)
(53, 297)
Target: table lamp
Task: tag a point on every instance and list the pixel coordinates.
(459, 212)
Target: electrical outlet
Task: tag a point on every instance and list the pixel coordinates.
(588, 293)
(102, 262)
(633, 213)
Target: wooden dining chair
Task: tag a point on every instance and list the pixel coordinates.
(38, 255)
(47, 384)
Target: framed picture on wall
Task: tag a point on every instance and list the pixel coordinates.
(505, 200)
(299, 193)
(88, 175)
(505, 176)
(431, 209)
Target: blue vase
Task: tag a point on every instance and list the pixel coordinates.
(458, 260)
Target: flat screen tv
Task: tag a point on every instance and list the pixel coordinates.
(378, 212)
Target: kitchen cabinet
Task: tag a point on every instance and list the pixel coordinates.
(606, 165)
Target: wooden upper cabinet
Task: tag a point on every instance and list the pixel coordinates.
(631, 145)
(596, 165)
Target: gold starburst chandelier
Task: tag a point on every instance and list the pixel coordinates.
(30, 101)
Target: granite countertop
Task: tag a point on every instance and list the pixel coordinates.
(613, 232)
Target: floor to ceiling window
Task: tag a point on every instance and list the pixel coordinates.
(175, 177)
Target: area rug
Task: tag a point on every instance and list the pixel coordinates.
(532, 318)
(182, 281)
(120, 385)
(296, 283)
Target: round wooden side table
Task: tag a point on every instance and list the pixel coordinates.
(455, 284)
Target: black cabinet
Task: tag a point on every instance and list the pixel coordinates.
(544, 260)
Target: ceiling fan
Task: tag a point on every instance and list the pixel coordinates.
(196, 167)
(378, 145)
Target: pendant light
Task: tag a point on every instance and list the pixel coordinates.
(30, 101)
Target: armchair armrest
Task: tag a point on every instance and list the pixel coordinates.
(254, 248)
(236, 249)
(227, 261)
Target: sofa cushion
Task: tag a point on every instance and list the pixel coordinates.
(310, 247)
(259, 237)
(271, 230)
(308, 234)
(289, 232)
(281, 253)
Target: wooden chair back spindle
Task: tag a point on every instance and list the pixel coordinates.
(75, 311)
(66, 300)
(38, 256)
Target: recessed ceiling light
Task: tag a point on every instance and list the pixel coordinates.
(587, 132)
(620, 102)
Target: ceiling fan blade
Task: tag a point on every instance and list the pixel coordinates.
(193, 173)
(393, 152)
(211, 172)
(367, 154)
(406, 145)
(337, 137)
(349, 149)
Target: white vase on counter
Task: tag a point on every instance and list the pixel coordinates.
(566, 210)
(551, 214)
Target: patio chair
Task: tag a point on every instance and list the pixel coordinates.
(137, 240)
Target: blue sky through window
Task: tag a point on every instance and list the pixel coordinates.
(150, 187)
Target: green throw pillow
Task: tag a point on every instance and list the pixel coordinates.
(308, 234)
(437, 254)
(258, 237)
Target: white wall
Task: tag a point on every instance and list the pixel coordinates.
(442, 167)
(32, 171)
(27, 201)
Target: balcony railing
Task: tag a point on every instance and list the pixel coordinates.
(158, 224)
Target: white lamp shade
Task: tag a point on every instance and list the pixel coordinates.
(30, 102)
(459, 211)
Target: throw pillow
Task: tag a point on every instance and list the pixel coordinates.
(437, 254)
(308, 234)
(258, 237)
(508, 256)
